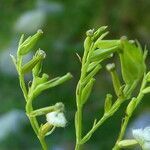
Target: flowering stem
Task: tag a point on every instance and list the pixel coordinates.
(102, 120)
(107, 115)
(29, 109)
(128, 116)
(39, 84)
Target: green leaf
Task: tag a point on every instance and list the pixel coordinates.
(132, 62)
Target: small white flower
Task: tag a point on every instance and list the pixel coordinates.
(56, 119)
(142, 136)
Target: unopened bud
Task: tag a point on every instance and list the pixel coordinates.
(40, 55)
(29, 43)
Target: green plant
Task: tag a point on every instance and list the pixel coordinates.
(96, 50)
(40, 83)
(133, 69)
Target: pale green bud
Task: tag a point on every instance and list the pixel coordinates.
(131, 106)
(101, 54)
(40, 55)
(115, 79)
(127, 143)
(51, 83)
(87, 91)
(108, 103)
(146, 90)
(29, 43)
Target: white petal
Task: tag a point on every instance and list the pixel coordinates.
(56, 119)
(138, 134)
(146, 146)
(146, 134)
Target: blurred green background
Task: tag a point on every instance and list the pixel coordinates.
(64, 23)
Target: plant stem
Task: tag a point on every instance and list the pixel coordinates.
(114, 108)
(127, 117)
(107, 115)
(79, 128)
(43, 143)
(29, 109)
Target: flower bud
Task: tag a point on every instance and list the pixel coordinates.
(108, 102)
(87, 91)
(115, 79)
(127, 143)
(29, 43)
(40, 55)
(98, 33)
(101, 54)
(131, 106)
(146, 90)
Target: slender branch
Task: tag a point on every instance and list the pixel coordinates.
(127, 117)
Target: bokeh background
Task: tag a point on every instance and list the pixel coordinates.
(64, 23)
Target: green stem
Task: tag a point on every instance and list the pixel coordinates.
(43, 143)
(127, 117)
(79, 128)
(114, 108)
(29, 109)
(107, 115)
(34, 124)
(85, 63)
(23, 86)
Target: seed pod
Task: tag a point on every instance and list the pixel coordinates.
(29, 43)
